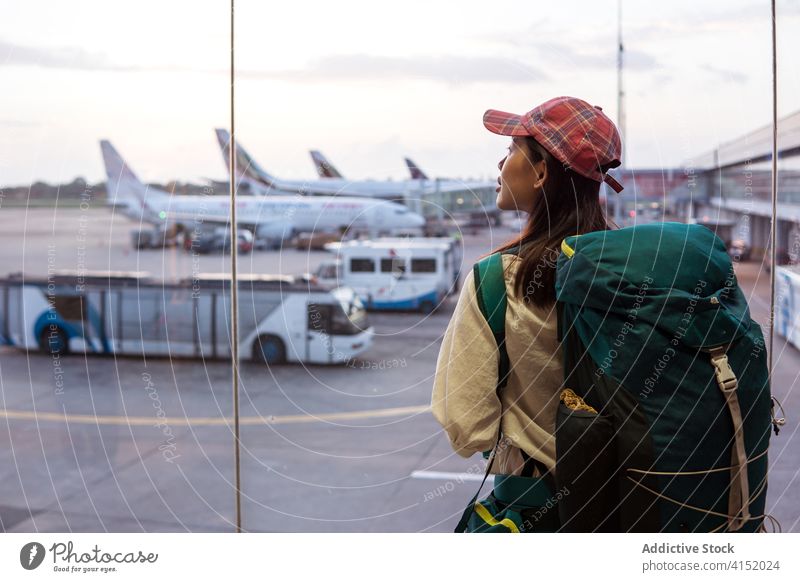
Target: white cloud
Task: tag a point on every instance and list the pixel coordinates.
(55, 58)
(449, 69)
(736, 77)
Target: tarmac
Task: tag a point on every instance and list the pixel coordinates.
(126, 444)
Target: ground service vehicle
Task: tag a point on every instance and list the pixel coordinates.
(281, 318)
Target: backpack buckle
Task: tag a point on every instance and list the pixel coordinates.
(723, 371)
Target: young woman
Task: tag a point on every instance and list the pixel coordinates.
(557, 158)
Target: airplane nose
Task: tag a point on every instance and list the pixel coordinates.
(417, 220)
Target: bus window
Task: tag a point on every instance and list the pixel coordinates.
(70, 307)
(179, 316)
(319, 317)
(142, 317)
(341, 324)
(362, 265)
(14, 316)
(394, 265)
(333, 320)
(222, 323)
(328, 271)
(423, 265)
(352, 307)
(255, 307)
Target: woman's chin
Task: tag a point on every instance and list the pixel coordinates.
(508, 203)
(503, 204)
(500, 202)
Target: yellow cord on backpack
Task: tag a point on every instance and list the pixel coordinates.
(484, 514)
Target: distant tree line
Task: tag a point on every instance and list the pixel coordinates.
(79, 187)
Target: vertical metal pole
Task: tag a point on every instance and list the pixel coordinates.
(234, 297)
(774, 186)
(439, 201)
(620, 109)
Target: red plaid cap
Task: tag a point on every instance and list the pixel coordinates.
(577, 134)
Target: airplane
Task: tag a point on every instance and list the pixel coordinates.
(273, 216)
(260, 182)
(416, 173)
(325, 169)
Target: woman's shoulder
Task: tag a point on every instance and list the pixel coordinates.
(509, 261)
(521, 306)
(521, 315)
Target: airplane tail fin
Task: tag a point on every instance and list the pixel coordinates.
(247, 170)
(123, 187)
(416, 173)
(324, 168)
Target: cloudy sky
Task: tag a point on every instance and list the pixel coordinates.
(369, 83)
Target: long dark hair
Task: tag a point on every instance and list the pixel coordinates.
(569, 204)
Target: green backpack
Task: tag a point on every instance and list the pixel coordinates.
(665, 414)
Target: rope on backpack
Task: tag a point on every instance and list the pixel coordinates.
(731, 519)
(777, 423)
(699, 472)
(739, 498)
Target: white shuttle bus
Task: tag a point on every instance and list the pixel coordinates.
(391, 273)
(787, 304)
(281, 318)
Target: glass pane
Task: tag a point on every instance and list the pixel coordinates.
(359, 139)
(107, 165)
(786, 341)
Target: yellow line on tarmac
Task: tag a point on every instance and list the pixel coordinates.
(206, 420)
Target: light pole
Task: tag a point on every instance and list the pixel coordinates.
(620, 109)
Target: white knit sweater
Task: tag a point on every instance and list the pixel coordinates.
(464, 401)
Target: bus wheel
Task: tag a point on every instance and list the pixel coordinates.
(426, 306)
(269, 349)
(54, 342)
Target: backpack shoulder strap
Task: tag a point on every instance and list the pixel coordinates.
(492, 298)
(490, 288)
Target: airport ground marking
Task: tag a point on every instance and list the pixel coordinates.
(210, 420)
(446, 476)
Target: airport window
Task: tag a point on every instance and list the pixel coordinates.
(423, 265)
(362, 265)
(154, 366)
(393, 265)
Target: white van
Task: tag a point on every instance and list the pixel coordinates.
(281, 318)
(393, 273)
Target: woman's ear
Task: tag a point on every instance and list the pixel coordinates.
(540, 171)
